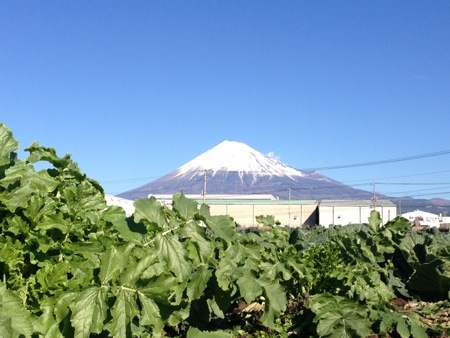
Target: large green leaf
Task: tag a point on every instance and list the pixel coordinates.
(225, 273)
(14, 318)
(151, 213)
(198, 282)
(138, 264)
(89, 311)
(185, 207)
(172, 251)
(8, 144)
(18, 197)
(112, 262)
(40, 153)
(204, 248)
(196, 333)
(249, 287)
(124, 310)
(275, 301)
(223, 227)
(374, 220)
(53, 277)
(429, 282)
(150, 314)
(339, 317)
(161, 289)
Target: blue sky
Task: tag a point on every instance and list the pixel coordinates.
(135, 89)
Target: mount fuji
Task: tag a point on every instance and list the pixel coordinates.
(235, 168)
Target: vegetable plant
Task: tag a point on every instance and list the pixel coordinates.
(72, 266)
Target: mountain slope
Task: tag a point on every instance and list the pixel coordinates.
(235, 168)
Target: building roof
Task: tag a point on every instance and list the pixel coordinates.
(219, 196)
(257, 202)
(356, 203)
(418, 213)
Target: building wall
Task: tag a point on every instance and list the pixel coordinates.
(423, 218)
(344, 215)
(294, 215)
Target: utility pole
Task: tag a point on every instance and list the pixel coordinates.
(373, 195)
(289, 212)
(205, 171)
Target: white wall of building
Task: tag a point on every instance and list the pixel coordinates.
(353, 212)
(423, 218)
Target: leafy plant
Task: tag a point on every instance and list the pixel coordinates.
(72, 266)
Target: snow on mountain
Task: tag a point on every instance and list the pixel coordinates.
(235, 168)
(232, 156)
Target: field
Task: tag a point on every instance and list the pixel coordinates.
(72, 266)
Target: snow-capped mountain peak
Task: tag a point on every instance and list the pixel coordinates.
(232, 156)
(235, 168)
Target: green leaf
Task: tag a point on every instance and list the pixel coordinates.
(204, 248)
(174, 254)
(338, 317)
(327, 324)
(374, 220)
(62, 306)
(40, 153)
(89, 312)
(222, 227)
(193, 332)
(17, 198)
(8, 144)
(429, 282)
(25, 175)
(17, 225)
(268, 220)
(402, 329)
(225, 273)
(138, 264)
(198, 282)
(398, 224)
(150, 314)
(123, 311)
(418, 330)
(345, 332)
(185, 207)
(161, 288)
(112, 262)
(275, 301)
(52, 277)
(150, 212)
(249, 288)
(14, 317)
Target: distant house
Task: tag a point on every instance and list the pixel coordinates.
(344, 212)
(423, 218)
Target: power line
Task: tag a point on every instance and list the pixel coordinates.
(410, 191)
(407, 158)
(411, 183)
(362, 164)
(403, 176)
(128, 180)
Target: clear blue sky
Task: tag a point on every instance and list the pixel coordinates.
(134, 89)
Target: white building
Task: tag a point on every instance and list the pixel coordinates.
(125, 204)
(423, 218)
(344, 212)
(245, 208)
